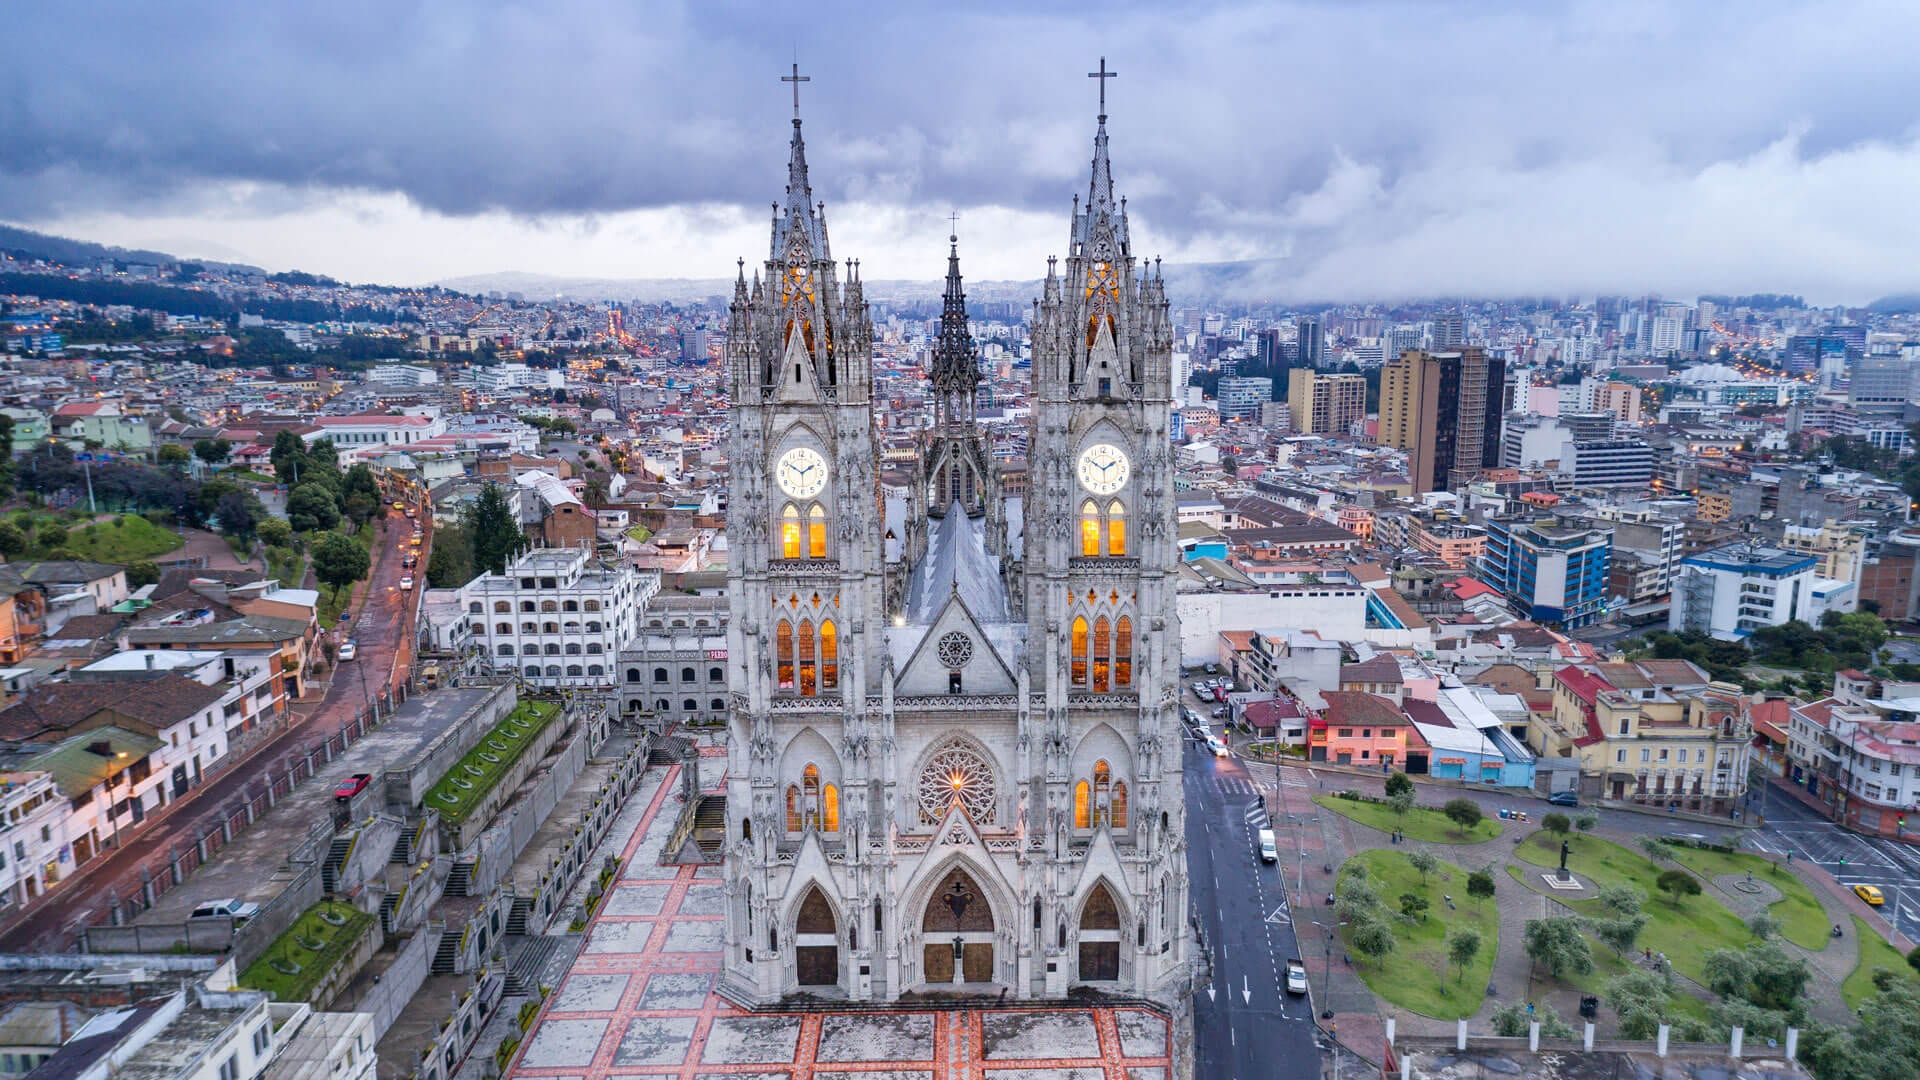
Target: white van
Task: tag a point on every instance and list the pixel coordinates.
(1267, 852)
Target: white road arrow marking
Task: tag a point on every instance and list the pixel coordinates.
(1246, 992)
(1209, 991)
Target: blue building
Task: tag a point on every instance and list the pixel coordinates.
(1553, 572)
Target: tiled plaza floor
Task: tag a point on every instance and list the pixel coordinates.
(639, 1002)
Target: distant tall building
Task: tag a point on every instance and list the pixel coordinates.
(1449, 330)
(1268, 350)
(1240, 396)
(1320, 404)
(1439, 407)
(1312, 338)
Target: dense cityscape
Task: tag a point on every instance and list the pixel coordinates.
(1111, 673)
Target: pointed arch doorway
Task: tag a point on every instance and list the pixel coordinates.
(816, 941)
(957, 932)
(1099, 937)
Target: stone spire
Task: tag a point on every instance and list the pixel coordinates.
(1101, 214)
(954, 372)
(799, 224)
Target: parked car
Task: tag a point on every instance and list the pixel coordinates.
(352, 785)
(348, 650)
(1220, 694)
(1564, 798)
(1870, 894)
(1296, 976)
(1267, 852)
(410, 561)
(406, 582)
(230, 908)
(1213, 669)
(1222, 713)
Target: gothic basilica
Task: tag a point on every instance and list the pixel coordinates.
(954, 764)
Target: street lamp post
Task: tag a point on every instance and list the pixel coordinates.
(1326, 979)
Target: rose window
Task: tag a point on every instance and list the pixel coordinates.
(956, 774)
(955, 649)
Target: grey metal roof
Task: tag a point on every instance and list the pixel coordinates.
(957, 561)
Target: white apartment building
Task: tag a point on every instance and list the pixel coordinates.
(407, 376)
(367, 430)
(557, 617)
(1729, 592)
(32, 813)
(504, 378)
(676, 670)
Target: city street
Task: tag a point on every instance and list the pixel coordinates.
(383, 632)
(1852, 859)
(1246, 1023)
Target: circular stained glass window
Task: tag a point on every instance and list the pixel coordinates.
(956, 649)
(957, 774)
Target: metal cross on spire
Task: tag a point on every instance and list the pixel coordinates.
(1103, 75)
(953, 223)
(796, 79)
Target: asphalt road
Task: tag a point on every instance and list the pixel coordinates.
(1247, 1026)
(1892, 866)
(383, 631)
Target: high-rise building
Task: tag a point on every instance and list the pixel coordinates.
(1439, 407)
(1321, 404)
(1554, 572)
(1312, 338)
(1239, 397)
(947, 769)
(1449, 330)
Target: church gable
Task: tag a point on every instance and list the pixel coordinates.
(796, 370)
(955, 642)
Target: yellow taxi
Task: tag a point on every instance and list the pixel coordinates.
(1870, 894)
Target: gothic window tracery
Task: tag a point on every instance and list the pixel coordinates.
(957, 774)
(1100, 652)
(1103, 532)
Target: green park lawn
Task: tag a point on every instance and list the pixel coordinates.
(1686, 932)
(464, 788)
(1802, 920)
(298, 960)
(125, 539)
(1421, 823)
(1416, 975)
(1875, 952)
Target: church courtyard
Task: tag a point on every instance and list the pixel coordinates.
(639, 1002)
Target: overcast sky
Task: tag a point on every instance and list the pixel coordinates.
(1379, 150)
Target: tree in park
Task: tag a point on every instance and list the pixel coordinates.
(1462, 812)
(1400, 802)
(173, 455)
(235, 510)
(1640, 997)
(12, 540)
(1620, 932)
(1413, 907)
(274, 532)
(1424, 862)
(1678, 885)
(1514, 1021)
(1763, 926)
(1397, 783)
(1621, 900)
(1372, 938)
(1462, 946)
(1557, 824)
(1658, 848)
(490, 526)
(312, 506)
(1480, 885)
(212, 451)
(1586, 821)
(339, 561)
(1558, 945)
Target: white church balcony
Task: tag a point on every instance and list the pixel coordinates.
(1105, 564)
(805, 568)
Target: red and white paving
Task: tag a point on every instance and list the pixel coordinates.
(639, 1002)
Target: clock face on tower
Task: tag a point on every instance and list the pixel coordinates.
(802, 472)
(1104, 468)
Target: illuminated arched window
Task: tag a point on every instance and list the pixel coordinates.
(1123, 652)
(1079, 651)
(793, 808)
(1102, 790)
(829, 656)
(1117, 814)
(783, 652)
(1102, 652)
(810, 795)
(817, 533)
(1116, 528)
(807, 684)
(830, 809)
(1082, 818)
(1089, 529)
(789, 533)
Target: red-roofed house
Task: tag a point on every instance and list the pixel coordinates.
(1361, 729)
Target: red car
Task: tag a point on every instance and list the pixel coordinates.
(352, 785)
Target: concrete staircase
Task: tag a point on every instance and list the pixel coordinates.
(446, 958)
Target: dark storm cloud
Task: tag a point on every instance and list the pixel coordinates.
(1302, 128)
